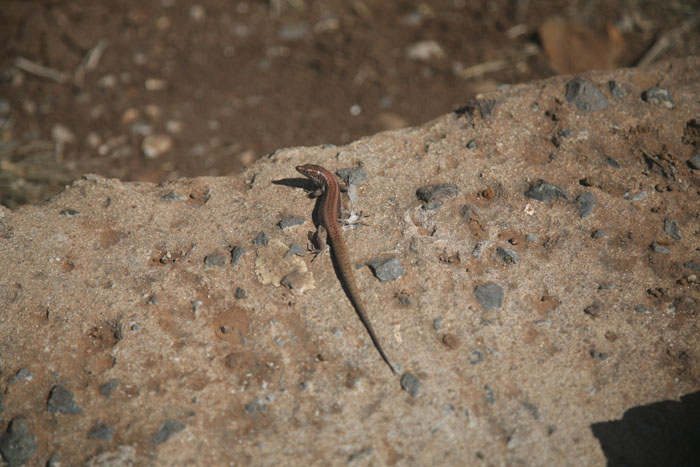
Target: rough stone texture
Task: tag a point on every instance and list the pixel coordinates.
(278, 378)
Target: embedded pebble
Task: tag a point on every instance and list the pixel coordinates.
(353, 175)
(693, 266)
(172, 196)
(236, 253)
(471, 144)
(261, 239)
(410, 384)
(490, 394)
(584, 95)
(658, 248)
(69, 212)
(154, 146)
(671, 228)
(256, 406)
(508, 256)
(215, 260)
(22, 375)
(585, 201)
(167, 430)
(289, 222)
(438, 191)
(240, 293)
(295, 250)
(490, 296)
(101, 432)
(694, 162)
(387, 270)
(656, 95)
(475, 357)
(107, 388)
(17, 444)
(61, 401)
(635, 197)
(155, 84)
(596, 354)
(618, 90)
(545, 191)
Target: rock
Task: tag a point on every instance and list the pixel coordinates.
(584, 95)
(17, 445)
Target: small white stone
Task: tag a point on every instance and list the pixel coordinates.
(61, 134)
(154, 146)
(425, 51)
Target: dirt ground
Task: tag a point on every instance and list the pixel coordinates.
(151, 90)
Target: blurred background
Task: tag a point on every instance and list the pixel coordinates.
(150, 90)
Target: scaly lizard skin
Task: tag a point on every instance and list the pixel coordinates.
(328, 213)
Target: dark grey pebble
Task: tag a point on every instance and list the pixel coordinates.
(618, 90)
(479, 248)
(167, 430)
(694, 162)
(531, 409)
(437, 324)
(236, 253)
(152, 300)
(594, 309)
(410, 384)
(693, 266)
(490, 394)
(261, 239)
(657, 248)
(612, 162)
(289, 222)
(54, 461)
(101, 432)
(545, 191)
(507, 256)
(239, 293)
(215, 260)
(484, 106)
(295, 250)
(353, 175)
(17, 445)
(433, 205)
(387, 270)
(471, 144)
(172, 196)
(585, 202)
(599, 233)
(671, 228)
(584, 95)
(607, 287)
(256, 406)
(635, 197)
(195, 306)
(490, 296)
(69, 212)
(475, 357)
(22, 375)
(1, 408)
(596, 354)
(640, 309)
(439, 191)
(657, 95)
(107, 388)
(61, 401)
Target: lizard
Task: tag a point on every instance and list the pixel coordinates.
(328, 212)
